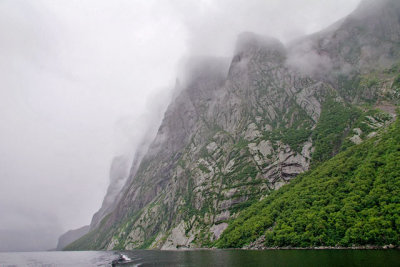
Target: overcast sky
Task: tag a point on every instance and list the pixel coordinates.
(82, 81)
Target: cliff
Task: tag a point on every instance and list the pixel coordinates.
(71, 236)
(235, 133)
(119, 172)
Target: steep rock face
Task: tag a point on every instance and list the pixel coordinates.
(235, 133)
(229, 138)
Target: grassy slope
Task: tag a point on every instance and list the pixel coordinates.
(351, 199)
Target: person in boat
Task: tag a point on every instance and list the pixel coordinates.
(121, 259)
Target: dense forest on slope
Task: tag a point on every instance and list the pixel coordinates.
(350, 200)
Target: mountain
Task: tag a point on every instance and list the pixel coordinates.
(119, 172)
(71, 236)
(238, 132)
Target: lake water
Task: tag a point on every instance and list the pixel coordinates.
(208, 258)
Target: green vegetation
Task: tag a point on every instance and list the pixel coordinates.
(243, 172)
(204, 168)
(295, 138)
(352, 199)
(396, 82)
(147, 243)
(367, 124)
(330, 131)
(240, 206)
(349, 85)
(365, 88)
(93, 239)
(293, 128)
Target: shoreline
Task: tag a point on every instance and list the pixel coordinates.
(368, 247)
(386, 247)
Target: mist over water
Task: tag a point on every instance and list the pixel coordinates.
(85, 81)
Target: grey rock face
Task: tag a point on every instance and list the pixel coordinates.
(213, 151)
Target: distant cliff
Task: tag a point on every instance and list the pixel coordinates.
(71, 236)
(119, 173)
(237, 132)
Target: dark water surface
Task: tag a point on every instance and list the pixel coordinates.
(208, 258)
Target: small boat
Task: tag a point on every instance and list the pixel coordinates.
(122, 259)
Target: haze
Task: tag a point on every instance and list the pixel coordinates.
(84, 81)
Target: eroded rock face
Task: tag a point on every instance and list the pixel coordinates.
(178, 238)
(232, 135)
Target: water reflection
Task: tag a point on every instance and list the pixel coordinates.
(208, 258)
(236, 258)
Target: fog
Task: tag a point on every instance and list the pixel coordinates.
(84, 81)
